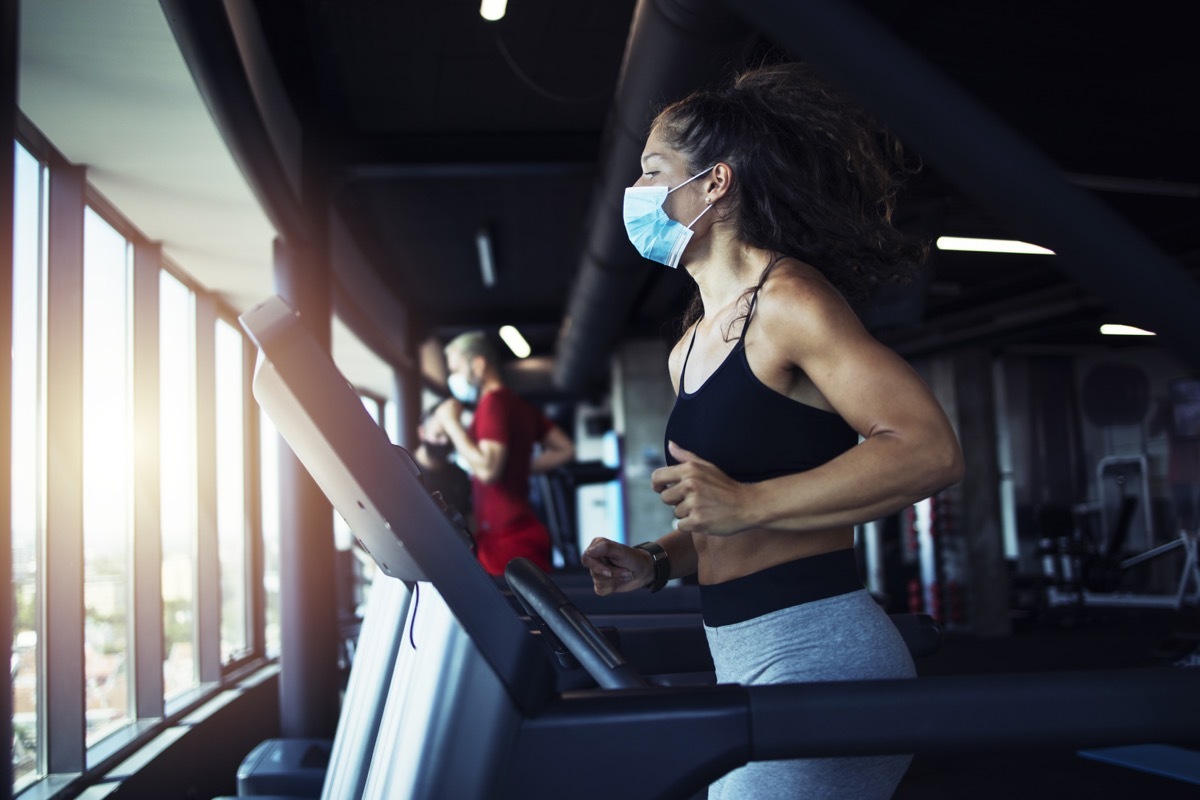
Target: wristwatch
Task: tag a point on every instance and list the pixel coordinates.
(662, 564)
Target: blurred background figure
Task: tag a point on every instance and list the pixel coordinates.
(498, 447)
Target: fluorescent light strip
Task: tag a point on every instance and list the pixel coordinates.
(487, 267)
(990, 246)
(515, 341)
(1124, 330)
(492, 10)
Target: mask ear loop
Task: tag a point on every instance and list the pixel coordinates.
(689, 180)
(707, 208)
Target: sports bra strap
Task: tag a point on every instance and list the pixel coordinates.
(691, 344)
(749, 312)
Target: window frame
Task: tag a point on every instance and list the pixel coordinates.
(39, 533)
(65, 762)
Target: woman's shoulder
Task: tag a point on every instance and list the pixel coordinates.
(796, 294)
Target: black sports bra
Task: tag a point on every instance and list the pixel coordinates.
(749, 430)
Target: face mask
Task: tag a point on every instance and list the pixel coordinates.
(655, 235)
(462, 388)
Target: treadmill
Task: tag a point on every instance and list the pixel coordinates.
(488, 702)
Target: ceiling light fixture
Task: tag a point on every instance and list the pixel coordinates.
(515, 341)
(487, 266)
(1124, 330)
(990, 246)
(492, 10)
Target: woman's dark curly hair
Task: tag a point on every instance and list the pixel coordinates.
(815, 176)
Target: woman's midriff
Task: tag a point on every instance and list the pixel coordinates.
(723, 558)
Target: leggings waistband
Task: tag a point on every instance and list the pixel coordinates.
(781, 586)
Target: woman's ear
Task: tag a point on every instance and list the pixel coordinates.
(720, 183)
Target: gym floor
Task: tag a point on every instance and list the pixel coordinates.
(1101, 639)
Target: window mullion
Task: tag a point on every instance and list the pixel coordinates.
(255, 561)
(62, 726)
(147, 533)
(208, 564)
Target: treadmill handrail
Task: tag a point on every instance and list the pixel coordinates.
(730, 725)
(943, 714)
(960, 713)
(543, 599)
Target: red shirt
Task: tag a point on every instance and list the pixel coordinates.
(507, 524)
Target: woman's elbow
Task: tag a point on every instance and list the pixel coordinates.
(948, 467)
(933, 465)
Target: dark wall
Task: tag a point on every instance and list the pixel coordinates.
(1056, 470)
(1043, 427)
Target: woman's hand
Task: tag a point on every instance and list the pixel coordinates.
(617, 567)
(705, 499)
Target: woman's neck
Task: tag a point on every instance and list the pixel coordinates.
(724, 270)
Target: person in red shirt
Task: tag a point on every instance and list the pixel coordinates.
(498, 448)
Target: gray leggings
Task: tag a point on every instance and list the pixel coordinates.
(846, 637)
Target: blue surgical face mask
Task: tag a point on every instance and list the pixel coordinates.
(462, 388)
(655, 235)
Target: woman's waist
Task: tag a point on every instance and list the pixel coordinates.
(725, 558)
(805, 579)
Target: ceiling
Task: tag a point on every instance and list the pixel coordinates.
(104, 81)
(422, 125)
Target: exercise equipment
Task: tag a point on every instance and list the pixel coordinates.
(481, 706)
(1093, 570)
(1169, 761)
(559, 491)
(1081, 571)
(336, 768)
